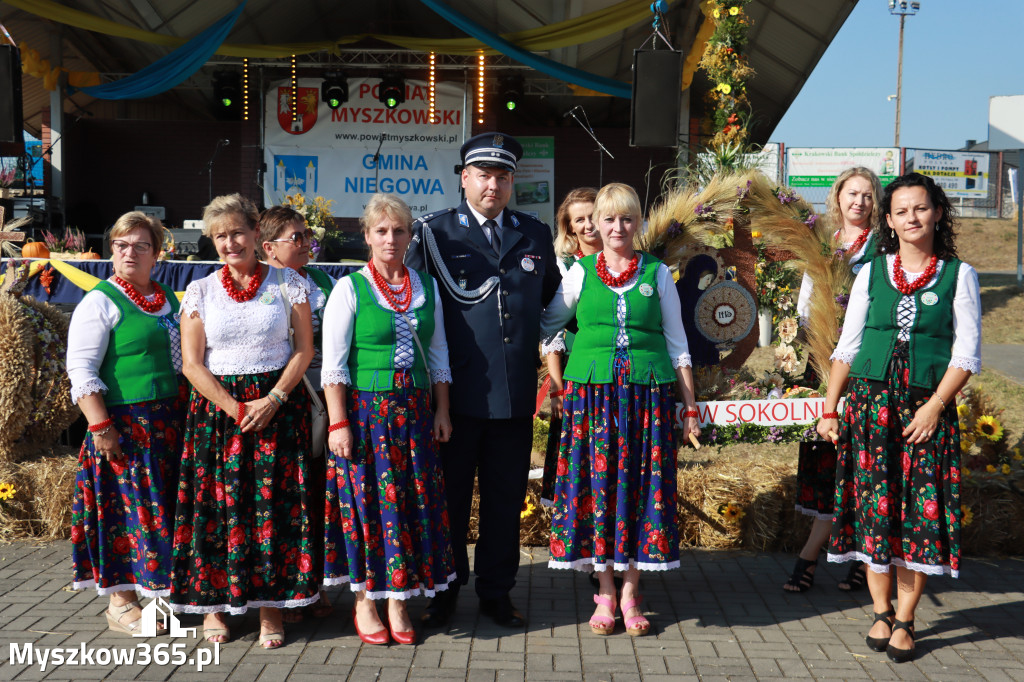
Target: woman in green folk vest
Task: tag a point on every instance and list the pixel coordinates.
(124, 362)
(286, 242)
(577, 237)
(910, 341)
(384, 348)
(615, 485)
(242, 535)
(852, 206)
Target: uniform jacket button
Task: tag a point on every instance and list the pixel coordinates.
(502, 271)
(507, 316)
(508, 340)
(504, 292)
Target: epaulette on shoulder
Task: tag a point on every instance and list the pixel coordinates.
(433, 216)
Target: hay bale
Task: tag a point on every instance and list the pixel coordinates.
(35, 392)
(41, 507)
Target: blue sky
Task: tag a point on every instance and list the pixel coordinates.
(956, 54)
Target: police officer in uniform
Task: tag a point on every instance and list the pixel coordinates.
(497, 272)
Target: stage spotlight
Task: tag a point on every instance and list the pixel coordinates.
(511, 89)
(227, 93)
(334, 90)
(392, 90)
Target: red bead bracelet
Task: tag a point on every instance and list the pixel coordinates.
(337, 426)
(102, 426)
(830, 415)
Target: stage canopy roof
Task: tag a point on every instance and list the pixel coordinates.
(120, 37)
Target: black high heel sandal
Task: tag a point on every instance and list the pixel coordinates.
(803, 577)
(902, 655)
(855, 579)
(880, 643)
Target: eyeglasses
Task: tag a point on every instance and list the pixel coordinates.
(298, 238)
(121, 246)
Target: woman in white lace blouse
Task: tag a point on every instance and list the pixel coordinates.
(242, 531)
(124, 362)
(384, 349)
(910, 341)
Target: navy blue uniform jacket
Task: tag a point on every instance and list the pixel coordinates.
(493, 345)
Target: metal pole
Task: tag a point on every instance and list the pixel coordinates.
(1020, 218)
(899, 82)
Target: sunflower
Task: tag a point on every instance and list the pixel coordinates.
(962, 411)
(966, 443)
(733, 11)
(7, 491)
(967, 517)
(528, 509)
(731, 512)
(989, 427)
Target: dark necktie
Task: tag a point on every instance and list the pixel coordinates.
(495, 237)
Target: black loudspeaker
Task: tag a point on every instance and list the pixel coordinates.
(654, 110)
(10, 97)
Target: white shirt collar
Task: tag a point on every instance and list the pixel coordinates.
(480, 217)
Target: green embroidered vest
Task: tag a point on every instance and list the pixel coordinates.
(138, 365)
(371, 359)
(931, 335)
(593, 352)
(323, 283)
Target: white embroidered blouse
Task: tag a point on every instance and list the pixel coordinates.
(339, 324)
(563, 307)
(249, 337)
(89, 334)
(966, 353)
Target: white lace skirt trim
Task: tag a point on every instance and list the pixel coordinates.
(683, 361)
(588, 565)
(972, 365)
(239, 610)
(927, 569)
(818, 516)
(335, 377)
(126, 587)
(388, 594)
(440, 376)
(88, 388)
(844, 356)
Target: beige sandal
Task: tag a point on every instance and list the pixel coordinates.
(272, 640)
(114, 619)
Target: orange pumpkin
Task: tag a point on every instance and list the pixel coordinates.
(88, 255)
(35, 250)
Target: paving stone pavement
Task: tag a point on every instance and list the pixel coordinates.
(721, 616)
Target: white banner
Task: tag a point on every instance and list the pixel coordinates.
(780, 412)
(960, 174)
(819, 167)
(363, 147)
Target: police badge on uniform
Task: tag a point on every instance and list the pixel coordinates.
(463, 220)
(527, 264)
(498, 141)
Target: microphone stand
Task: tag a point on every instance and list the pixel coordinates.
(209, 167)
(601, 149)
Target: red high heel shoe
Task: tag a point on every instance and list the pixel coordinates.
(408, 637)
(377, 638)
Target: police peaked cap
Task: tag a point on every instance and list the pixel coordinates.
(492, 150)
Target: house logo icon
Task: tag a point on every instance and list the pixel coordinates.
(159, 611)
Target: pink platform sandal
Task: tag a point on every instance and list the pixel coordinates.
(637, 626)
(600, 624)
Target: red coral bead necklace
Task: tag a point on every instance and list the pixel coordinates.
(398, 300)
(607, 278)
(858, 242)
(242, 295)
(900, 279)
(138, 299)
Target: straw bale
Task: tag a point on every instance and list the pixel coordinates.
(41, 507)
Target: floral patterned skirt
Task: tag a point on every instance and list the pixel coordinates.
(387, 520)
(896, 504)
(242, 534)
(615, 480)
(122, 515)
(816, 479)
